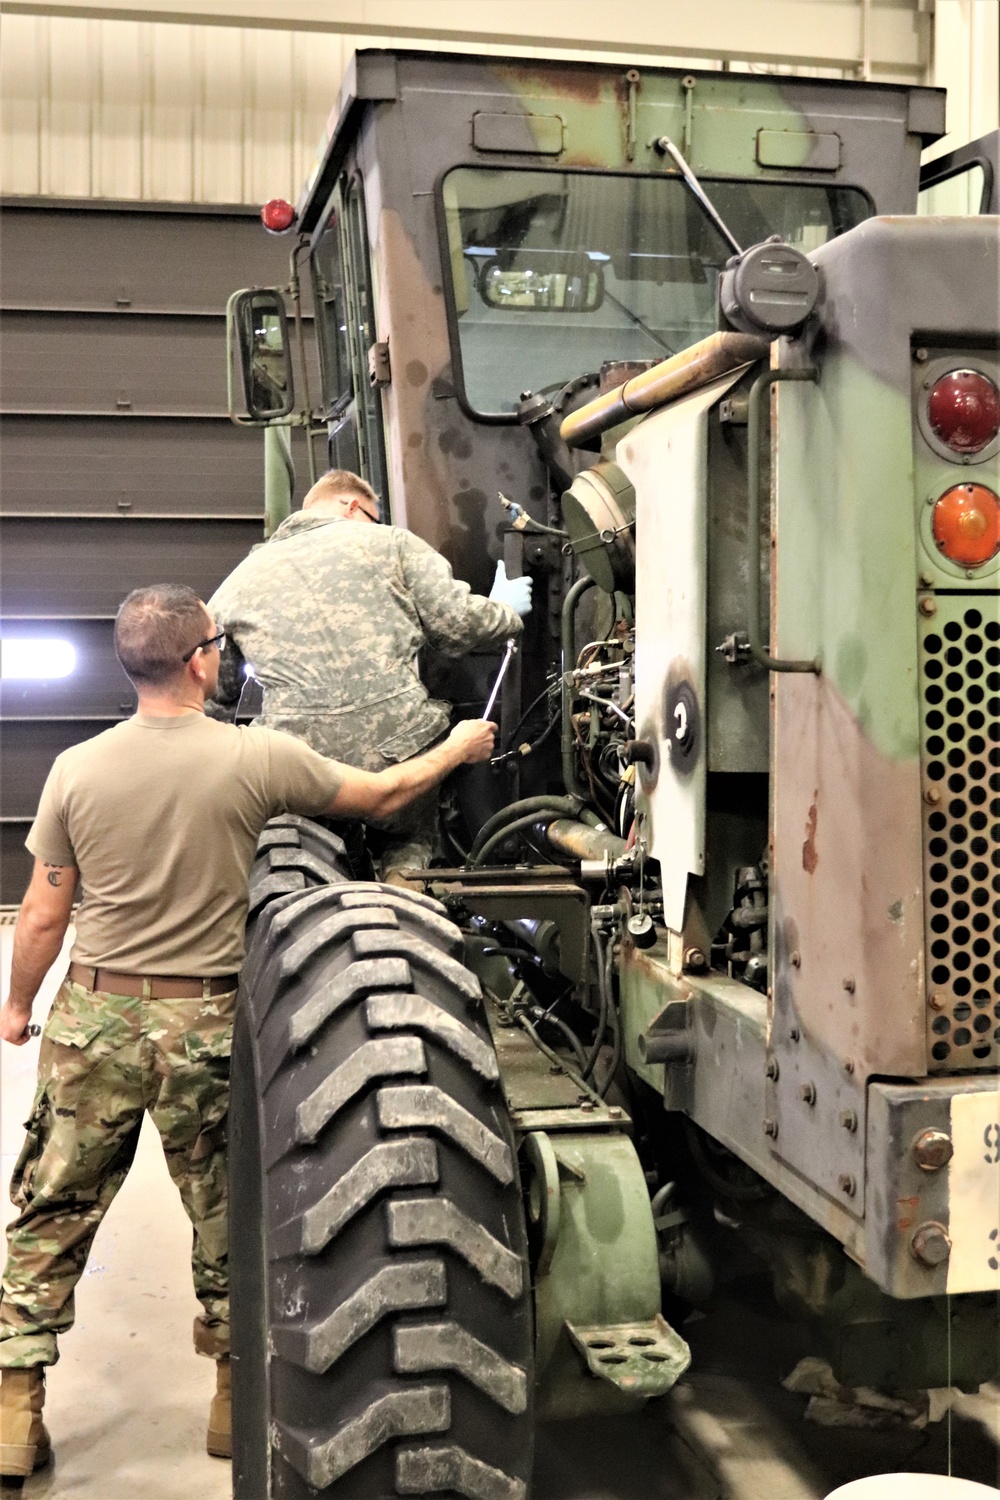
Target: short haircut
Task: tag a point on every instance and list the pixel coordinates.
(153, 630)
(342, 482)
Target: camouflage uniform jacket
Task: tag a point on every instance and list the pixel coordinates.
(331, 615)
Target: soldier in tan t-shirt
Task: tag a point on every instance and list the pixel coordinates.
(158, 818)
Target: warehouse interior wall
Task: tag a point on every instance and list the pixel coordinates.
(158, 111)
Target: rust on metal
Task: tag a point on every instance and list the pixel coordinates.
(677, 376)
(810, 858)
(584, 83)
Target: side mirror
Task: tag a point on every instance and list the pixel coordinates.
(542, 281)
(261, 327)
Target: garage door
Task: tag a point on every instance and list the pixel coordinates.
(118, 464)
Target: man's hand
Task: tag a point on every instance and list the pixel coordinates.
(14, 1023)
(474, 738)
(515, 592)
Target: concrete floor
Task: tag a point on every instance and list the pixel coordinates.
(128, 1401)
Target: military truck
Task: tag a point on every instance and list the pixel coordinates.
(712, 959)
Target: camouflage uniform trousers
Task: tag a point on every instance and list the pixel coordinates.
(373, 741)
(105, 1059)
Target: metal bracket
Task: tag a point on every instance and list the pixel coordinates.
(643, 1359)
(759, 391)
(567, 906)
(734, 411)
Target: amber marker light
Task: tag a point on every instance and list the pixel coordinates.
(277, 215)
(967, 524)
(963, 409)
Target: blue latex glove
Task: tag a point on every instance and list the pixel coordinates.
(513, 591)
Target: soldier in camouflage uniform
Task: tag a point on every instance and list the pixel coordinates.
(331, 614)
(158, 819)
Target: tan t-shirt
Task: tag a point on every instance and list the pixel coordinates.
(161, 816)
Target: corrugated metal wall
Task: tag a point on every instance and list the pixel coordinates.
(119, 466)
(162, 112)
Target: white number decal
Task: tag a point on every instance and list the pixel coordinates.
(681, 720)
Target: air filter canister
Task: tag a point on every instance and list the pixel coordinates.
(599, 516)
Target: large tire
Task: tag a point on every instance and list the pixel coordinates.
(382, 1334)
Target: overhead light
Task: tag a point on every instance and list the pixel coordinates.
(35, 658)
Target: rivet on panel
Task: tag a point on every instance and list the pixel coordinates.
(933, 795)
(936, 1000)
(771, 1069)
(848, 1064)
(847, 1184)
(927, 607)
(849, 1120)
(849, 984)
(795, 959)
(807, 1093)
(771, 1129)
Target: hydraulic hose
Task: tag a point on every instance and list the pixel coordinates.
(562, 807)
(573, 595)
(505, 831)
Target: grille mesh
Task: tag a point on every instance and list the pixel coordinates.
(960, 683)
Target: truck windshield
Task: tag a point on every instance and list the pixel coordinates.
(555, 272)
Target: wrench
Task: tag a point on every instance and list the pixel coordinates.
(508, 655)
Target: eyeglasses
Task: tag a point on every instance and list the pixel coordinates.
(212, 640)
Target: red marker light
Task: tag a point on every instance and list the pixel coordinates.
(277, 216)
(964, 410)
(967, 524)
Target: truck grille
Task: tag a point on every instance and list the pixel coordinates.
(960, 767)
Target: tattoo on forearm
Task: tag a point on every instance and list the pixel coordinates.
(55, 874)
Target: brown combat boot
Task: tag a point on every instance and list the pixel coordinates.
(220, 1416)
(24, 1443)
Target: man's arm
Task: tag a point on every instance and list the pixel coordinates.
(232, 680)
(38, 937)
(454, 619)
(376, 794)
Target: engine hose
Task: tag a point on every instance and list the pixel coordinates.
(519, 825)
(562, 807)
(572, 1040)
(573, 595)
(554, 1057)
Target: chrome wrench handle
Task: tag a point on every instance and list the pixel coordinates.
(508, 656)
